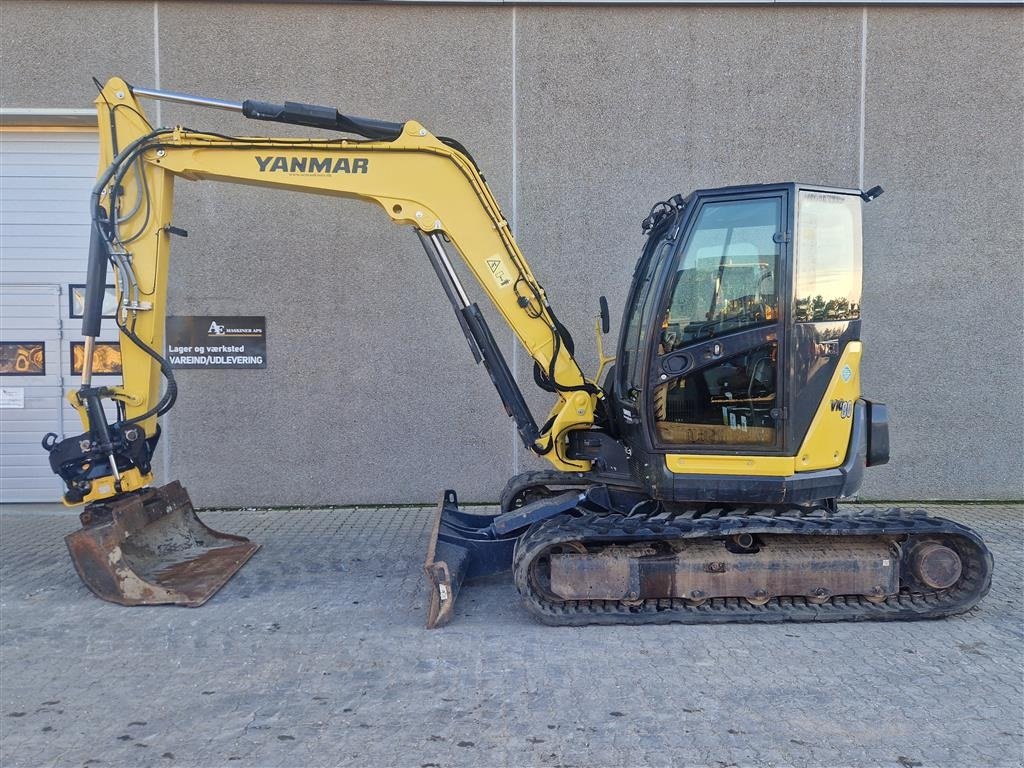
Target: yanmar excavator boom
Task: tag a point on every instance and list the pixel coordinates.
(696, 481)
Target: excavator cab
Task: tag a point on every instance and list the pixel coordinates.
(743, 321)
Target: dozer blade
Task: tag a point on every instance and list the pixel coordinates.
(462, 547)
(150, 548)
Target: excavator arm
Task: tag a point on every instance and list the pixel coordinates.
(418, 179)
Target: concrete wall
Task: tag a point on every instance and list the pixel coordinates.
(581, 117)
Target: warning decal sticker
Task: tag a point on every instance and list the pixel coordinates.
(498, 271)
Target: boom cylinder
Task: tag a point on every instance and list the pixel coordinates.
(291, 113)
(95, 291)
(95, 284)
(185, 98)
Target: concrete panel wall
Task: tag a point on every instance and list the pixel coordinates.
(581, 118)
(944, 249)
(370, 394)
(50, 51)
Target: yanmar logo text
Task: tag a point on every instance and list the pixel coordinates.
(281, 164)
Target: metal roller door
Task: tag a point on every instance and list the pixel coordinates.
(46, 176)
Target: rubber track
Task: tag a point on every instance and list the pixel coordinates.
(584, 526)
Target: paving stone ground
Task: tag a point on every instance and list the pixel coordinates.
(315, 655)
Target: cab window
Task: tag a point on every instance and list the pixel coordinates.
(726, 280)
(643, 304)
(732, 403)
(828, 258)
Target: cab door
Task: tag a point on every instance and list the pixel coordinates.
(716, 379)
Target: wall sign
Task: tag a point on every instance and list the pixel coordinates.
(12, 397)
(217, 341)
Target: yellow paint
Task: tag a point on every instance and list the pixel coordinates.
(828, 437)
(131, 480)
(824, 446)
(602, 359)
(759, 466)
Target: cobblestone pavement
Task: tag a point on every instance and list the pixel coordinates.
(315, 655)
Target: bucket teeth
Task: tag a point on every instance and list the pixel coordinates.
(150, 548)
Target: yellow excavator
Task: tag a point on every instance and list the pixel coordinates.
(694, 478)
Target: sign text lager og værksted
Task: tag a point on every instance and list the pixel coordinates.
(217, 341)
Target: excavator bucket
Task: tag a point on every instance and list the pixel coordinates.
(463, 546)
(150, 548)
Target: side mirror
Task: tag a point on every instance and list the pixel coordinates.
(606, 323)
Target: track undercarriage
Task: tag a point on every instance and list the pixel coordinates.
(592, 564)
(751, 565)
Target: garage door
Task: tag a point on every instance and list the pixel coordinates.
(46, 176)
